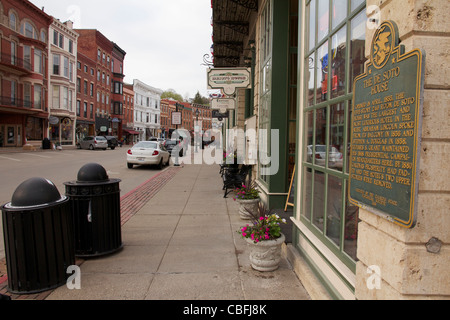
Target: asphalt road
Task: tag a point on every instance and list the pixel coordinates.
(63, 166)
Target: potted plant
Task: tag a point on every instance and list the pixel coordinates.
(248, 198)
(264, 237)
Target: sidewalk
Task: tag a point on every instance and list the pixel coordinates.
(182, 244)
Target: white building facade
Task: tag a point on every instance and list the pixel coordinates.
(62, 71)
(147, 110)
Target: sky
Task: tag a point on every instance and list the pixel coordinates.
(165, 40)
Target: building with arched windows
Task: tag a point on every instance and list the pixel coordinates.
(23, 73)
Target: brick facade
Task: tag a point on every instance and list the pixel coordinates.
(23, 73)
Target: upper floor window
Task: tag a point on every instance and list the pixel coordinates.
(70, 46)
(43, 36)
(56, 63)
(55, 37)
(13, 21)
(28, 30)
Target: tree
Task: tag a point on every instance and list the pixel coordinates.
(199, 99)
(170, 93)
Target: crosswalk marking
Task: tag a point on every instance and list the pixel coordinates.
(7, 158)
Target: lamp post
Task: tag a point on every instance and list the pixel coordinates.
(176, 164)
(196, 131)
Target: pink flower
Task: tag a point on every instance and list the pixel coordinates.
(261, 218)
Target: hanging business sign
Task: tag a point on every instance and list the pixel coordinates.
(216, 114)
(176, 118)
(386, 129)
(223, 104)
(229, 79)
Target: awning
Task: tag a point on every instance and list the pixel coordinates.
(132, 132)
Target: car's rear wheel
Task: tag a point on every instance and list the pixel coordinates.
(91, 147)
(130, 165)
(160, 165)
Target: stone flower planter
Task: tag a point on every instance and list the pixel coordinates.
(251, 204)
(265, 255)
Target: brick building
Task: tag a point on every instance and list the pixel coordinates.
(109, 58)
(86, 97)
(187, 121)
(23, 73)
(204, 115)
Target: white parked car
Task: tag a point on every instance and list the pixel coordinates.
(334, 156)
(148, 153)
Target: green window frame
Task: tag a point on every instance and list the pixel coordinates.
(266, 81)
(334, 55)
(292, 90)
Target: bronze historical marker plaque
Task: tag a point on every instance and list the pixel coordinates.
(386, 129)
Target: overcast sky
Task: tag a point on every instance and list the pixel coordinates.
(165, 40)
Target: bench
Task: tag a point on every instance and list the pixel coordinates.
(234, 177)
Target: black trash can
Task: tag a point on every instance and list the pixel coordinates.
(38, 235)
(95, 203)
(46, 144)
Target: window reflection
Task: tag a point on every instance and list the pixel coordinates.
(319, 200)
(323, 24)
(318, 154)
(312, 24)
(310, 79)
(356, 3)
(338, 52)
(307, 192)
(309, 128)
(358, 37)
(339, 12)
(322, 73)
(334, 209)
(351, 228)
(337, 129)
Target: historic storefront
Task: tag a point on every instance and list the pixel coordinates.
(358, 92)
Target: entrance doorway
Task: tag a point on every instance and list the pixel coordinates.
(10, 135)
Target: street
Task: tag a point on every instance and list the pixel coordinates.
(63, 166)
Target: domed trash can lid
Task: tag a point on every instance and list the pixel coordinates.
(92, 172)
(35, 192)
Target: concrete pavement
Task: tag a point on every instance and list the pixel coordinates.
(182, 244)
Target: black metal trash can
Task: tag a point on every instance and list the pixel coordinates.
(95, 205)
(38, 235)
(46, 144)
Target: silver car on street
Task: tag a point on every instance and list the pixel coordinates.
(93, 142)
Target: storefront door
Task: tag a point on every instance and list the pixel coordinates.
(2, 136)
(10, 136)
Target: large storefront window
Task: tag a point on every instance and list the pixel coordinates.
(34, 129)
(335, 43)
